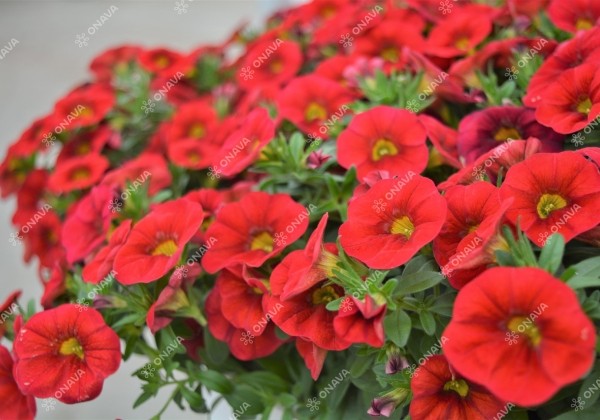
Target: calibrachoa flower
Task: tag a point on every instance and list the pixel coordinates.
(572, 101)
(247, 233)
(389, 238)
(553, 192)
(310, 101)
(78, 173)
(555, 344)
(14, 405)
(383, 138)
(65, 354)
(439, 394)
(156, 242)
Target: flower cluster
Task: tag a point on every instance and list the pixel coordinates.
(377, 201)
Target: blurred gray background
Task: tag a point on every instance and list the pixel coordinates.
(42, 67)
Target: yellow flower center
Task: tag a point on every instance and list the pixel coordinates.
(315, 111)
(262, 241)
(459, 386)
(549, 203)
(583, 24)
(462, 43)
(85, 111)
(70, 347)
(83, 148)
(196, 131)
(80, 174)
(382, 148)
(161, 61)
(276, 66)
(585, 106)
(327, 262)
(402, 226)
(166, 248)
(505, 133)
(525, 326)
(324, 295)
(390, 54)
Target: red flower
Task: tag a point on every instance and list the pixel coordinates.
(243, 344)
(8, 309)
(147, 167)
(553, 192)
(573, 101)
(65, 354)
(173, 297)
(271, 61)
(160, 60)
(444, 141)
(524, 333)
(244, 145)
(361, 322)
(383, 138)
(107, 62)
(311, 265)
(14, 405)
(493, 163)
(461, 32)
(156, 242)
(392, 221)
(77, 174)
(87, 224)
(385, 41)
(483, 130)
(97, 269)
(576, 15)
(83, 107)
(440, 394)
(247, 234)
(582, 49)
(305, 315)
(471, 210)
(313, 356)
(90, 142)
(310, 101)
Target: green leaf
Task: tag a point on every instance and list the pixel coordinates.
(580, 282)
(589, 384)
(417, 282)
(360, 365)
(217, 351)
(427, 322)
(587, 274)
(194, 399)
(397, 326)
(552, 253)
(215, 381)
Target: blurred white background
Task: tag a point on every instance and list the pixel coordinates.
(42, 67)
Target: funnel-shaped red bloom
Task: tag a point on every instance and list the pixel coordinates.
(392, 221)
(253, 230)
(156, 242)
(439, 393)
(522, 333)
(66, 354)
(13, 404)
(386, 139)
(553, 193)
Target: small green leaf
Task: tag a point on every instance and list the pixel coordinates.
(215, 381)
(397, 326)
(417, 282)
(552, 253)
(427, 322)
